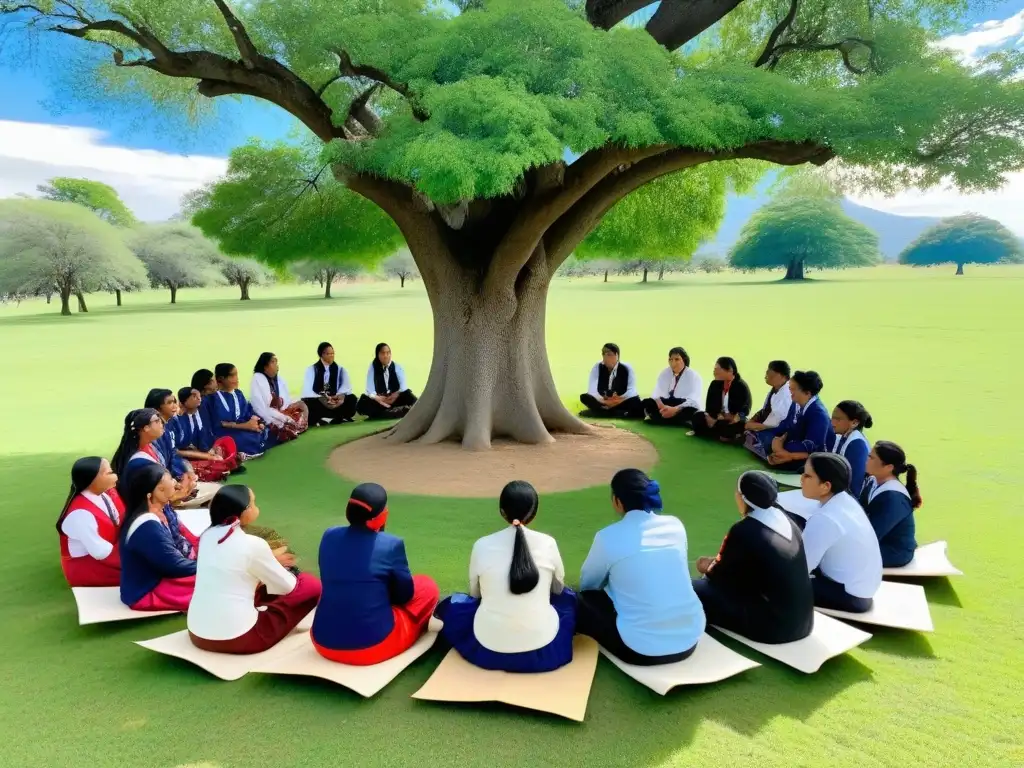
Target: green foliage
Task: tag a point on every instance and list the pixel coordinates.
(176, 255)
(98, 197)
(807, 231)
(48, 246)
(239, 270)
(968, 239)
(280, 204)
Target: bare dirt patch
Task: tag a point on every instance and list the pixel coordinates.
(570, 463)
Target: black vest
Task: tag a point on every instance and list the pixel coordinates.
(378, 379)
(332, 382)
(617, 387)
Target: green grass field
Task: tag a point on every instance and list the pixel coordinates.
(935, 358)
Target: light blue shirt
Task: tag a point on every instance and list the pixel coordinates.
(641, 563)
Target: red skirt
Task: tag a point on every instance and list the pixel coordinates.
(215, 471)
(169, 595)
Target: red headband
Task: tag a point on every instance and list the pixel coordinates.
(376, 522)
(234, 522)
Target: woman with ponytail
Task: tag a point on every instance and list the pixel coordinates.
(840, 544)
(245, 601)
(726, 407)
(890, 504)
(518, 615)
(757, 585)
(636, 598)
(142, 443)
(155, 574)
(372, 607)
(849, 420)
(88, 526)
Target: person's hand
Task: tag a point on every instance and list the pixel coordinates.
(211, 456)
(217, 452)
(709, 419)
(755, 426)
(704, 564)
(284, 557)
(777, 443)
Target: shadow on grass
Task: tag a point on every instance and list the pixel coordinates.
(897, 642)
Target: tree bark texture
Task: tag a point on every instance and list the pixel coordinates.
(82, 307)
(402, 278)
(117, 293)
(174, 294)
(661, 273)
(644, 280)
(959, 269)
(795, 270)
(327, 286)
(606, 275)
(244, 286)
(65, 301)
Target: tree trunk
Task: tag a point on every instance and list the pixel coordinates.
(328, 281)
(606, 275)
(81, 302)
(402, 278)
(174, 294)
(661, 273)
(244, 285)
(490, 375)
(65, 301)
(117, 293)
(49, 296)
(644, 279)
(959, 269)
(795, 270)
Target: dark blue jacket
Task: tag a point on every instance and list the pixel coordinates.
(363, 575)
(892, 516)
(187, 436)
(856, 453)
(148, 556)
(809, 433)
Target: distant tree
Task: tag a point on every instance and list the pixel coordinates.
(968, 239)
(711, 266)
(402, 266)
(48, 247)
(800, 232)
(98, 197)
(176, 256)
(325, 272)
(243, 273)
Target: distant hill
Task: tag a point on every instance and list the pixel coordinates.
(894, 232)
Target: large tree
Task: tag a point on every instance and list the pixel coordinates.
(794, 233)
(456, 125)
(49, 247)
(98, 197)
(968, 239)
(176, 256)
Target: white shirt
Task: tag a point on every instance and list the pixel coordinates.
(779, 404)
(227, 575)
(795, 502)
(260, 396)
(892, 484)
(840, 540)
(631, 390)
(690, 388)
(344, 385)
(507, 623)
(371, 385)
(83, 533)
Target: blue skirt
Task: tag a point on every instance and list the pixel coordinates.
(458, 611)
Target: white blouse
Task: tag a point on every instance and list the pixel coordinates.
(309, 390)
(260, 396)
(371, 384)
(83, 533)
(840, 540)
(507, 623)
(779, 404)
(631, 390)
(690, 388)
(227, 575)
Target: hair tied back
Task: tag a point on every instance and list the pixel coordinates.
(652, 495)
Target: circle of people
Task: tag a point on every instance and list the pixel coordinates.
(241, 590)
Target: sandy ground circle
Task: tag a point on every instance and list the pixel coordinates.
(570, 463)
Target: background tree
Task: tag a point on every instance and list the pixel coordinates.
(456, 125)
(243, 273)
(711, 266)
(401, 265)
(49, 247)
(176, 256)
(801, 232)
(968, 239)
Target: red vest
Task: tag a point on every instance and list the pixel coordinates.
(86, 571)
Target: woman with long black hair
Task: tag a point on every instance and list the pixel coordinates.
(840, 544)
(387, 390)
(757, 585)
(849, 420)
(271, 401)
(89, 524)
(233, 416)
(327, 390)
(890, 504)
(245, 600)
(727, 405)
(636, 598)
(155, 574)
(518, 616)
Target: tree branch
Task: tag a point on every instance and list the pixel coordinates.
(365, 116)
(845, 47)
(570, 230)
(605, 14)
(676, 22)
(773, 38)
(349, 69)
(242, 40)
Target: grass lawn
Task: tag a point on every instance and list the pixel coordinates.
(935, 358)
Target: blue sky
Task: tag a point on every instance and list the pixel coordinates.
(31, 93)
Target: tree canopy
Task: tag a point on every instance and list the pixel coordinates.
(98, 197)
(799, 232)
(244, 272)
(968, 239)
(53, 247)
(176, 256)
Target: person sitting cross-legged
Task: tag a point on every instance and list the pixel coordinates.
(677, 392)
(611, 392)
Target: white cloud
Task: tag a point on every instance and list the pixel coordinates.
(986, 37)
(1005, 205)
(150, 182)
